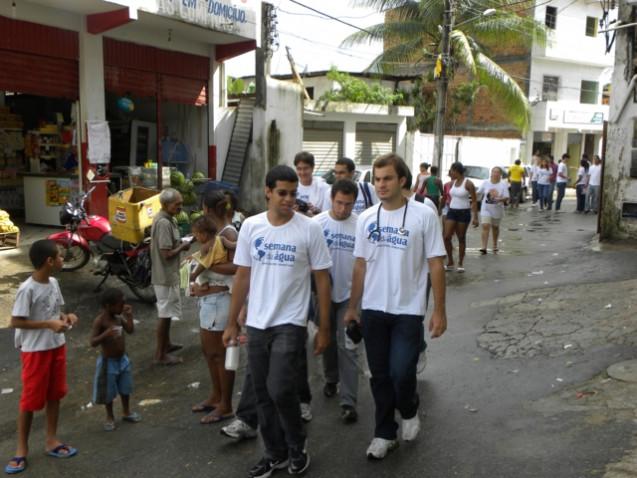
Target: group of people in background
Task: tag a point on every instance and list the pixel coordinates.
(547, 176)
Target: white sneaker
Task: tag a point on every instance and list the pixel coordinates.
(410, 428)
(306, 412)
(379, 447)
(239, 430)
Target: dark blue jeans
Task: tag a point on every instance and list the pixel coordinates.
(534, 189)
(561, 190)
(393, 343)
(273, 358)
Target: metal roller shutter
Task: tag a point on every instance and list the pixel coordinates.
(122, 81)
(183, 90)
(325, 141)
(373, 140)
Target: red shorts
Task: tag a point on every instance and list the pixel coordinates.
(43, 378)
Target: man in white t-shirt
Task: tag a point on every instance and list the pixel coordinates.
(561, 180)
(366, 196)
(311, 191)
(340, 360)
(594, 185)
(397, 242)
(277, 252)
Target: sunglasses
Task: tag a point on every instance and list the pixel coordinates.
(284, 193)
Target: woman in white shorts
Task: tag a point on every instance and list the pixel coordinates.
(495, 195)
(214, 308)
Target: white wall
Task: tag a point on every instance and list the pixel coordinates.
(223, 134)
(473, 150)
(40, 14)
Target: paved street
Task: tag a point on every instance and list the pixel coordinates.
(516, 388)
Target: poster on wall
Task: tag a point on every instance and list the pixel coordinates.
(99, 142)
(58, 191)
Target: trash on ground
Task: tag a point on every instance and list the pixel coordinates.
(6, 391)
(558, 379)
(537, 273)
(556, 253)
(546, 282)
(149, 401)
(136, 322)
(568, 346)
(469, 408)
(194, 385)
(514, 371)
(569, 364)
(608, 306)
(476, 359)
(539, 299)
(584, 393)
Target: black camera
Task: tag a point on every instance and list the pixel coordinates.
(302, 206)
(354, 332)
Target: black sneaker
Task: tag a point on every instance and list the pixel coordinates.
(266, 467)
(299, 463)
(349, 414)
(329, 390)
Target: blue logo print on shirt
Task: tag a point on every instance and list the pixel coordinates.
(387, 236)
(337, 240)
(274, 252)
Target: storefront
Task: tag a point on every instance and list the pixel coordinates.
(148, 78)
(38, 117)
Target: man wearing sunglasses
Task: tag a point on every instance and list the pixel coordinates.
(397, 243)
(277, 252)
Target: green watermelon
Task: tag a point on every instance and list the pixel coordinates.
(182, 218)
(177, 179)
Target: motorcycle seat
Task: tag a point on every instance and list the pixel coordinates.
(111, 242)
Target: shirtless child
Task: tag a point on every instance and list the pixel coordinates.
(113, 371)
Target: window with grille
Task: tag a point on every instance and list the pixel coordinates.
(550, 17)
(591, 26)
(550, 85)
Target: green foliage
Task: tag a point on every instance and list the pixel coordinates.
(356, 90)
(236, 86)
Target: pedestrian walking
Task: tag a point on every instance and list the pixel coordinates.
(214, 293)
(495, 195)
(594, 185)
(581, 183)
(544, 183)
(462, 207)
(366, 196)
(311, 190)
(561, 180)
(277, 252)
(340, 359)
(517, 175)
(552, 181)
(420, 178)
(432, 187)
(397, 242)
(40, 325)
(535, 165)
(165, 251)
(113, 370)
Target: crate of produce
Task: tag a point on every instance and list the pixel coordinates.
(131, 211)
(9, 240)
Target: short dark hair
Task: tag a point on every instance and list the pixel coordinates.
(434, 170)
(424, 165)
(304, 157)
(408, 180)
(111, 296)
(345, 186)
(218, 201)
(566, 156)
(351, 167)
(392, 159)
(518, 162)
(280, 173)
(42, 250)
(458, 167)
(585, 156)
(204, 224)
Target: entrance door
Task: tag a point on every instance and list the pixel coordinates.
(324, 139)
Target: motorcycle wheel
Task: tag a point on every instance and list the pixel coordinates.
(75, 257)
(145, 294)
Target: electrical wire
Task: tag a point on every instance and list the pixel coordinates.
(330, 16)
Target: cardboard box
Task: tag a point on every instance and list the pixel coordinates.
(131, 211)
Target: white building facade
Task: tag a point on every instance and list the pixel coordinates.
(569, 82)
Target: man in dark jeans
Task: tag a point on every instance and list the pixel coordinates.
(553, 180)
(277, 251)
(561, 180)
(397, 242)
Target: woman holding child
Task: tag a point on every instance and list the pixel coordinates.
(211, 282)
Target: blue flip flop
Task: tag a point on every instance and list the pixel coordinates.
(57, 451)
(19, 468)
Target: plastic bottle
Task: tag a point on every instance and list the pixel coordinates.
(232, 356)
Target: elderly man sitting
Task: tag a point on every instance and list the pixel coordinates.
(166, 247)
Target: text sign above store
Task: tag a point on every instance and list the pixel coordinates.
(584, 117)
(238, 18)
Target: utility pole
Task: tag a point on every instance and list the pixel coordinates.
(443, 84)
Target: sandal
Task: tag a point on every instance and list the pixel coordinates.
(460, 269)
(19, 467)
(449, 268)
(483, 252)
(215, 418)
(202, 408)
(132, 418)
(62, 451)
(495, 250)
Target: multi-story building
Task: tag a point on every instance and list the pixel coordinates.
(569, 80)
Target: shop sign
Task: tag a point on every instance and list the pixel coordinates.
(584, 117)
(57, 191)
(238, 17)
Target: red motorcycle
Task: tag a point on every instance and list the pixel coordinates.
(87, 236)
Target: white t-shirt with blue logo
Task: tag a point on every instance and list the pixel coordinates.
(396, 257)
(281, 259)
(359, 204)
(314, 193)
(340, 237)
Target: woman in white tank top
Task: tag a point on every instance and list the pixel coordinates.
(462, 207)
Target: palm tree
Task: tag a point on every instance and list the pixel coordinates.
(412, 34)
